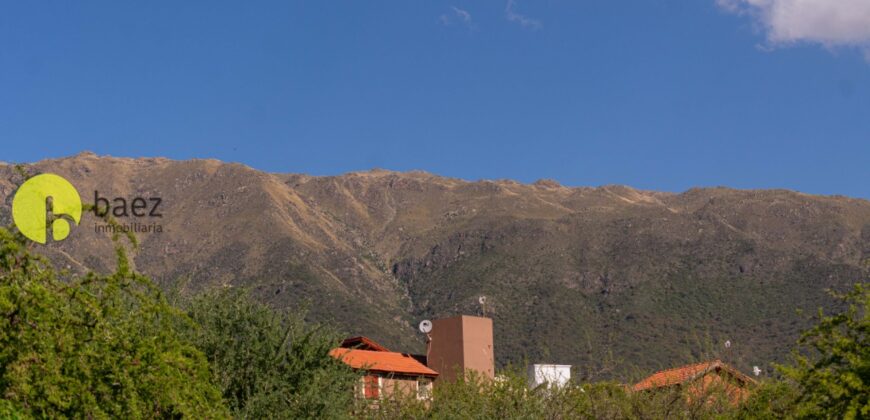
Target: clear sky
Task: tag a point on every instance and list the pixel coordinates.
(655, 94)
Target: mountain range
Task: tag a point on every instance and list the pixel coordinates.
(611, 279)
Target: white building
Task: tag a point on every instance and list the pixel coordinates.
(554, 375)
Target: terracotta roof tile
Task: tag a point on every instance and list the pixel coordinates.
(683, 374)
(382, 361)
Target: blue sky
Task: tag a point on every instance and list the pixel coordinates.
(655, 94)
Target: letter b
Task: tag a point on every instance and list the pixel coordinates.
(98, 201)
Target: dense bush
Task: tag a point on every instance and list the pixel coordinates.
(771, 399)
(270, 364)
(509, 397)
(111, 346)
(832, 362)
(94, 346)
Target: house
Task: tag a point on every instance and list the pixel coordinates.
(700, 379)
(455, 345)
(387, 373)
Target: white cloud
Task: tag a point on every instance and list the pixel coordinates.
(459, 15)
(463, 15)
(512, 16)
(831, 23)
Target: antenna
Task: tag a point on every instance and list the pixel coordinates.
(425, 326)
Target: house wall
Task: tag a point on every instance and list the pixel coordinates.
(446, 349)
(390, 386)
(460, 344)
(554, 375)
(478, 345)
(395, 387)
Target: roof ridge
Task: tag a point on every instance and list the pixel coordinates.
(373, 351)
(710, 363)
(361, 341)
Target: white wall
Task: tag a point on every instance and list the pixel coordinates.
(555, 375)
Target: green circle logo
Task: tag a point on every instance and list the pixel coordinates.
(32, 211)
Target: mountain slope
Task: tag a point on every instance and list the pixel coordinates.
(597, 277)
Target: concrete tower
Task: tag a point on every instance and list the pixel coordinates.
(460, 344)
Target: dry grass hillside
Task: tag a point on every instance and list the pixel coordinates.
(605, 278)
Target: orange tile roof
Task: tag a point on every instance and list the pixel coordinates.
(684, 374)
(382, 361)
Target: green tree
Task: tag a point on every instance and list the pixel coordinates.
(270, 364)
(94, 346)
(770, 399)
(832, 362)
(509, 397)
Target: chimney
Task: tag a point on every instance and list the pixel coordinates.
(460, 344)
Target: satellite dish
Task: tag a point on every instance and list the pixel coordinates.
(756, 370)
(482, 300)
(727, 344)
(425, 326)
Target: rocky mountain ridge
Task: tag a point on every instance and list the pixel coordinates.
(604, 278)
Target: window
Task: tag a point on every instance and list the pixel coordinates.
(424, 389)
(371, 387)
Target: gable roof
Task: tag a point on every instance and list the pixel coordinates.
(382, 361)
(362, 343)
(688, 373)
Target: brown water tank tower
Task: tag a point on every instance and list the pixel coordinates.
(460, 344)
